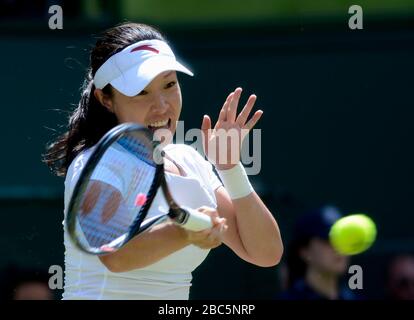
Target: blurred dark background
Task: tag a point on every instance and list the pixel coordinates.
(337, 125)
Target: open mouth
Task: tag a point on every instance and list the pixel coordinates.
(164, 124)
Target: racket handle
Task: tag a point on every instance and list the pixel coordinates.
(195, 220)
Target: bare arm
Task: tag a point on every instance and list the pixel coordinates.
(253, 234)
(147, 248)
(161, 241)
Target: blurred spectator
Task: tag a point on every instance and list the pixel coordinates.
(400, 278)
(25, 284)
(314, 268)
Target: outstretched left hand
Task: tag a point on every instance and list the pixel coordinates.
(228, 126)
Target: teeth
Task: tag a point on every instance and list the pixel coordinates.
(159, 123)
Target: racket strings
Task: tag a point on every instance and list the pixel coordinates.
(126, 173)
(98, 236)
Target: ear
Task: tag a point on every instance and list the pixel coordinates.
(103, 99)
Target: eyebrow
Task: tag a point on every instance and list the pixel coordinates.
(168, 74)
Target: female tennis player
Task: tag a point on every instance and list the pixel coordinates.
(133, 78)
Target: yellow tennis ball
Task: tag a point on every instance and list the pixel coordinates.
(353, 234)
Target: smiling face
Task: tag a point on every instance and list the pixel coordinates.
(158, 106)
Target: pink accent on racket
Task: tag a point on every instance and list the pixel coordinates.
(106, 248)
(140, 199)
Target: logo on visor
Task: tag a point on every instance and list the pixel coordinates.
(145, 47)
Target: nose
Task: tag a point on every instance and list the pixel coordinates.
(160, 104)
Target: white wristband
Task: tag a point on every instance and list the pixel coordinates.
(236, 181)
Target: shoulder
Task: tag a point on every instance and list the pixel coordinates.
(76, 167)
(79, 162)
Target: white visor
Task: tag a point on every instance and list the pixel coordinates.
(132, 69)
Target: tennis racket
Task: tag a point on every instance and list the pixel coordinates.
(115, 191)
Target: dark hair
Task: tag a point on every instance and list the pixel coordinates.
(90, 120)
(295, 264)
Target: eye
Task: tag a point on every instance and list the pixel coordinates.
(142, 93)
(171, 84)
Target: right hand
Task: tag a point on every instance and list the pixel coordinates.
(208, 238)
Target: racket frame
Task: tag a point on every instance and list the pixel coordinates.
(75, 201)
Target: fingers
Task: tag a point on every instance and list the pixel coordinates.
(206, 129)
(232, 108)
(209, 238)
(215, 238)
(206, 126)
(206, 123)
(223, 112)
(244, 114)
(252, 122)
(229, 110)
(212, 213)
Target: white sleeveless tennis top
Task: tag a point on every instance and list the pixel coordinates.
(170, 278)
